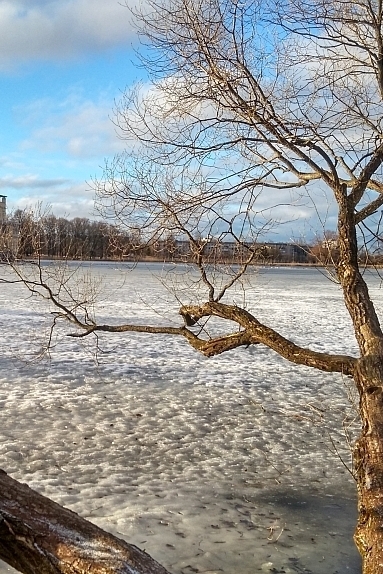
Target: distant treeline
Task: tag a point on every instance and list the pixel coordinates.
(25, 235)
(58, 237)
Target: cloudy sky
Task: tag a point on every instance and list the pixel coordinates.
(63, 63)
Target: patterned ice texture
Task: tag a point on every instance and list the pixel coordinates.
(237, 463)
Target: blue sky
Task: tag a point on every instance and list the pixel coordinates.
(63, 63)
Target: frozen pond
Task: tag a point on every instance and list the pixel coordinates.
(212, 465)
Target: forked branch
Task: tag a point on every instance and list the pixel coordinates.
(258, 333)
(252, 332)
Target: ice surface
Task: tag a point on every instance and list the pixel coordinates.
(229, 464)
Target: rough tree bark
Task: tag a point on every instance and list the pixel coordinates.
(368, 462)
(39, 536)
(368, 376)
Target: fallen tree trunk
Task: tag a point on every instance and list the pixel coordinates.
(38, 536)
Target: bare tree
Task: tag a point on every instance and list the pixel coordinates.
(257, 108)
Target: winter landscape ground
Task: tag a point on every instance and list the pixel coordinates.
(222, 465)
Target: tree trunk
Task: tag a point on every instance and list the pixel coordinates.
(368, 460)
(37, 536)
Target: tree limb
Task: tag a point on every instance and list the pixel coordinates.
(366, 174)
(256, 332)
(253, 332)
(369, 209)
(38, 535)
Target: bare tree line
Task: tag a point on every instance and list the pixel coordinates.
(49, 236)
(57, 237)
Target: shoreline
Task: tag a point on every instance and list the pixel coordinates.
(182, 262)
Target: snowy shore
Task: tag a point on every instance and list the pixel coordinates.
(212, 465)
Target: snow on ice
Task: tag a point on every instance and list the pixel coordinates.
(217, 465)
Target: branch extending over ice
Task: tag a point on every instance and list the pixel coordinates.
(256, 332)
(252, 332)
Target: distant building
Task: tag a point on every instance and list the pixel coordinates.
(286, 252)
(231, 251)
(3, 208)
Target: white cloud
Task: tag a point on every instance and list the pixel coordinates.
(71, 200)
(29, 181)
(60, 29)
(66, 143)
(79, 127)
